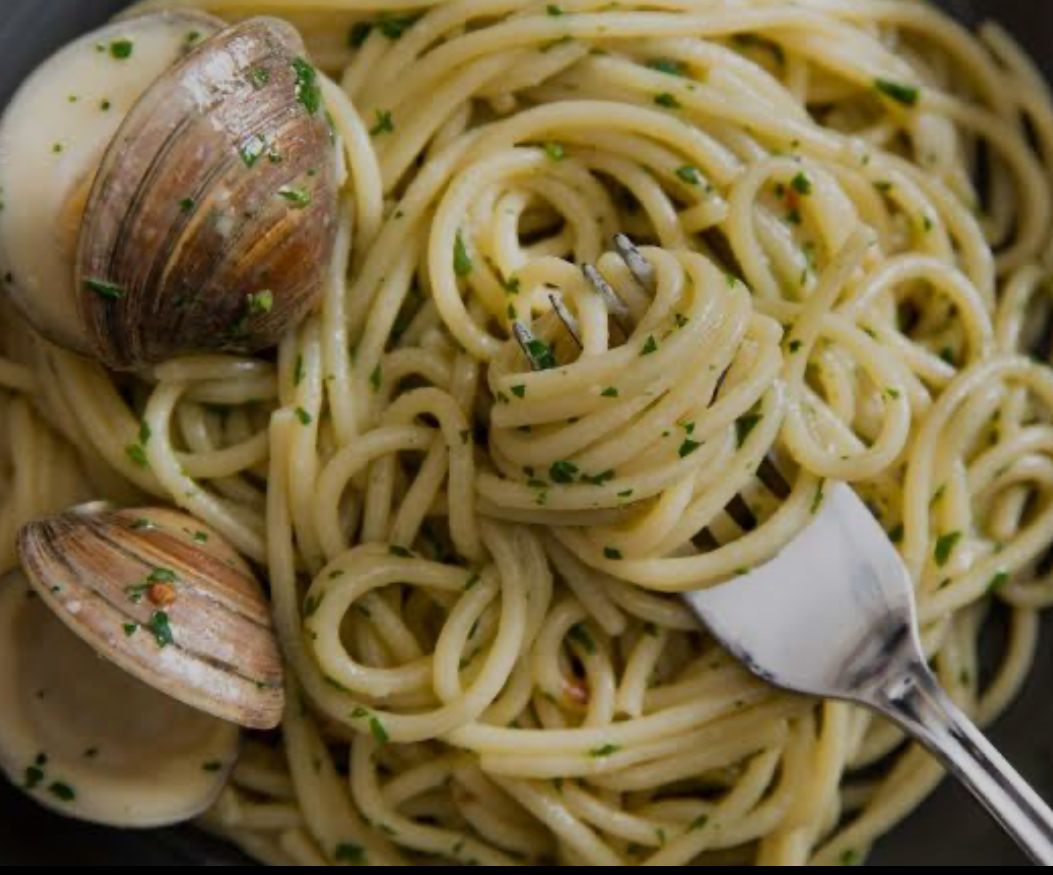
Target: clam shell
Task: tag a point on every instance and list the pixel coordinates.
(91, 742)
(167, 600)
(212, 217)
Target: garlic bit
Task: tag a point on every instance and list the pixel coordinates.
(167, 600)
(169, 186)
(88, 740)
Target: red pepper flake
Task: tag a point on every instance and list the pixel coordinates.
(162, 595)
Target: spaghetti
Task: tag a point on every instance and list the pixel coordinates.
(474, 562)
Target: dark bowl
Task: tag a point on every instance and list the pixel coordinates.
(949, 829)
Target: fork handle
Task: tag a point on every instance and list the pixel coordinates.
(917, 702)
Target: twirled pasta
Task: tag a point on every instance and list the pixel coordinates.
(848, 208)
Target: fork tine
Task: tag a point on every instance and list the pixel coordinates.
(565, 316)
(772, 478)
(638, 266)
(541, 357)
(615, 305)
(741, 513)
(525, 338)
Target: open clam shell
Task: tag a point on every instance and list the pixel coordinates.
(212, 218)
(166, 599)
(88, 740)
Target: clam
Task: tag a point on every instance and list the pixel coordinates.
(88, 740)
(169, 186)
(167, 600)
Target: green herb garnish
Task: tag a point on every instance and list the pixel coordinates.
(160, 629)
(666, 65)
(298, 197)
(945, 545)
(121, 49)
(580, 635)
(308, 91)
(462, 261)
(563, 472)
(908, 95)
(744, 425)
(689, 174)
(104, 288)
(384, 124)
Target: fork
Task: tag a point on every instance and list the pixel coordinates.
(842, 575)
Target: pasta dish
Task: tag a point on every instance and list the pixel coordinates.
(473, 545)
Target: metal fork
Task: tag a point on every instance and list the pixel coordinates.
(833, 615)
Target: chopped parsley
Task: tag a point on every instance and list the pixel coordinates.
(63, 792)
(998, 581)
(612, 553)
(908, 95)
(259, 77)
(33, 776)
(260, 302)
(554, 150)
(121, 49)
(384, 124)
(540, 354)
(160, 629)
(393, 26)
(802, 184)
(689, 174)
(519, 391)
(130, 629)
(945, 545)
(744, 425)
(137, 454)
(376, 377)
(303, 416)
(402, 552)
(563, 472)
(104, 288)
(650, 345)
(667, 66)
(462, 261)
(251, 150)
(667, 100)
(605, 751)
(308, 90)
(688, 447)
(553, 9)
(580, 635)
(186, 204)
(346, 852)
(610, 392)
(212, 767)
(298, 197)
(817, 501)
(380, 734)
(598, 479)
